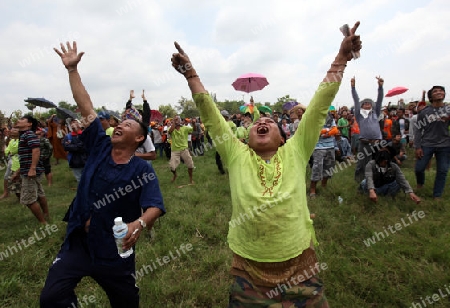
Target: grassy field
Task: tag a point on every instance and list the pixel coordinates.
(406, 267)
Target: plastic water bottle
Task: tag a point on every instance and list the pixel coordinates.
(120, 229)
(340, 199)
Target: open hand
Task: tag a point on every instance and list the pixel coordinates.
(70, 56)
(131, 94)
(143, 95)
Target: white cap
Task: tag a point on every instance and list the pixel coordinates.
(118, 221)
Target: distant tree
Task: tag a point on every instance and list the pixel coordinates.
(278, 106)
(187, 108)
(167, 111)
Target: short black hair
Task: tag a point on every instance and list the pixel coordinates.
(144, 131)
(431, 90)
(33, 121)
(283, 134)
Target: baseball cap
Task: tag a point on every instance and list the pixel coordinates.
(103, 115)
(225, 113)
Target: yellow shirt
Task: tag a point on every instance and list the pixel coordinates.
(270, 218)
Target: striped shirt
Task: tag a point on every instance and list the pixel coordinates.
(27, 142)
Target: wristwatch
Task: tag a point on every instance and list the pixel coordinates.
(143, 224)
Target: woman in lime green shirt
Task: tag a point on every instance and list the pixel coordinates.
(271, 233)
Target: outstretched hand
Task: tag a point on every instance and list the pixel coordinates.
(181, 62)
(352, 81)
(351, 43)
(70, 56)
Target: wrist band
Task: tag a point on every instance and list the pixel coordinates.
(193, 76)
(71, 70)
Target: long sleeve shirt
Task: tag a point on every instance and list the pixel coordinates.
(369, 127)
(270, 218)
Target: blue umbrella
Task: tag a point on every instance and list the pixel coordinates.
(66, 113)
(41, 102)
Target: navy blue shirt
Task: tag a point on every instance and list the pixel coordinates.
(108, 190)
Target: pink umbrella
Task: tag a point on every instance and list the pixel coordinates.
(396, 91)
(250, 82)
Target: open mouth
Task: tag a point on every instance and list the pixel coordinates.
(117, 133)
(262, 130)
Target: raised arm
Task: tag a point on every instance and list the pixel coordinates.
(70, 58)
(312, 121)
(355, 99)
(380, 95)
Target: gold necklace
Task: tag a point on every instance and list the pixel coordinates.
(262, 176)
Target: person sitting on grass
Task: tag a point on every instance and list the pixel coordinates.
(385, 178)
(277, 242)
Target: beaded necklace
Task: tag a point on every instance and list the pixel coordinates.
(262, 176)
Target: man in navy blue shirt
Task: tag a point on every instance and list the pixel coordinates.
(114, 183)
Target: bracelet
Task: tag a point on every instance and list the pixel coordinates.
(193, 76)
(331, 71)
(338, 64)
(71, 70)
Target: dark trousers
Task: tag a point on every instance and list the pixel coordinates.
(71, 265)
(219, 163)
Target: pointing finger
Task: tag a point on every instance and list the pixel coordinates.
(353, 30)
(178, 47)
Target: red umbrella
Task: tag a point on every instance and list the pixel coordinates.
(396, 91)
(156, 116)
(250, 82)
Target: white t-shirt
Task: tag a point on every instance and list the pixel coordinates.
(146, 147)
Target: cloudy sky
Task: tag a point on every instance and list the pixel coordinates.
(128, 45)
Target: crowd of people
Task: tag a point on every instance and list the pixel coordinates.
(108, 153)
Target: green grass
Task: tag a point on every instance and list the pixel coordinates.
(403, 268)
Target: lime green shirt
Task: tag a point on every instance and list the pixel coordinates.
(242, 133)
(109, 131)
(233, 126)
(270, 219)
(13, 149)
(180, 138)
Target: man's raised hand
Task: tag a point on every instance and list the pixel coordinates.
(70, 56)
(380, 81)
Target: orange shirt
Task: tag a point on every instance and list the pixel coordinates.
(354, 129)
(387, 128)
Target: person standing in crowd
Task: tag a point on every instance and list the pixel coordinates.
(179, 148)
(89, 248)
(323, 158)
(55, 134)
(431, 137)
(157, 138)
(105, 121)
(31, 168)
(13, 165)
(263, 168)
(197, 133)
(46, 153)
(400, 126)
(74, 146)
(370, 134)
(343, 124)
